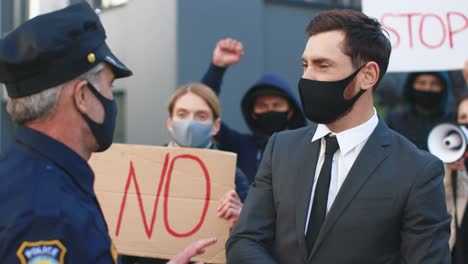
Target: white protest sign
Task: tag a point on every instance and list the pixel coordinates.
(425, 34)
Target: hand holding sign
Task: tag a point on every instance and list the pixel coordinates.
(230, 207)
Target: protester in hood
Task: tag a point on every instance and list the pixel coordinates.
(194, 118)
(268, 106)
(426, 94)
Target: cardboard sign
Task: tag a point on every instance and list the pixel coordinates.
(426, 35)
(157, 200)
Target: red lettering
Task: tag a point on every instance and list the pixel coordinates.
(166, 194)
(421, 31)
(390, 29)
(410, 26)
(132, 176)
(451, 31)
(149, 226)
(456, 22)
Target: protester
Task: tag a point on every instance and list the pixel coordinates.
(426, 94)
(268, 106)
(456, 190)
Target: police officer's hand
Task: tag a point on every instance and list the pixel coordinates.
(227, 52)
(194, 249)
(465, 71)
(230, 207)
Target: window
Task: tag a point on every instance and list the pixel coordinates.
(121, 121)
(353, 4)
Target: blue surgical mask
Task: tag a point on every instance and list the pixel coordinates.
(191, 133)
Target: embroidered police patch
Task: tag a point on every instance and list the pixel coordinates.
(41, 252)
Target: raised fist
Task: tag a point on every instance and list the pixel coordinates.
(227, 52)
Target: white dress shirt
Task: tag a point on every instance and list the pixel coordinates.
(351, 142)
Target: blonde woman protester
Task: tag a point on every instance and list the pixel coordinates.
(194, 118)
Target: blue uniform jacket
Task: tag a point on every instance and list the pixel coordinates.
(48, 207)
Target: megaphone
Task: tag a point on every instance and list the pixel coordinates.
(448, 142)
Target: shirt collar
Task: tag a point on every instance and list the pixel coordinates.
(61, 155)
(349, 139)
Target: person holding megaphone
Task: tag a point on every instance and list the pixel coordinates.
(456, 189)
(449, 143)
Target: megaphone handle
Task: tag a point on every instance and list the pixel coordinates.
(454, 192)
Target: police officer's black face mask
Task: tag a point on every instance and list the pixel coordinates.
(104, 132)
(271, 122)
(324, 102)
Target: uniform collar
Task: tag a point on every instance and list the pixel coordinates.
(61, 155)
(349, 139)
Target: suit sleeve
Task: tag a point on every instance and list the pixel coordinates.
(252, 238)
(426, 223)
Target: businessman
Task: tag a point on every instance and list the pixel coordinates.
(346, 189)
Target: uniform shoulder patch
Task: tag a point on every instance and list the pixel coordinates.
(41, 252)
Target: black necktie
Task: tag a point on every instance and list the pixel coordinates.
(319, 204)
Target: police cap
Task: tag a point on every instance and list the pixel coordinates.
(53, 48)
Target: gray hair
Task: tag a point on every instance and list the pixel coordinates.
(42, 105)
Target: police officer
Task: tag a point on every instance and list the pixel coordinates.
(58, 72)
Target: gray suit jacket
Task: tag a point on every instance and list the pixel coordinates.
(390, 209)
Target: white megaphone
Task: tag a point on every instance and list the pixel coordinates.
(448, 142)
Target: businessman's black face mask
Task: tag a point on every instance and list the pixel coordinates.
(324, 102)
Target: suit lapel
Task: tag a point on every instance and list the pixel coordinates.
(370, 157)
(303, 185)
